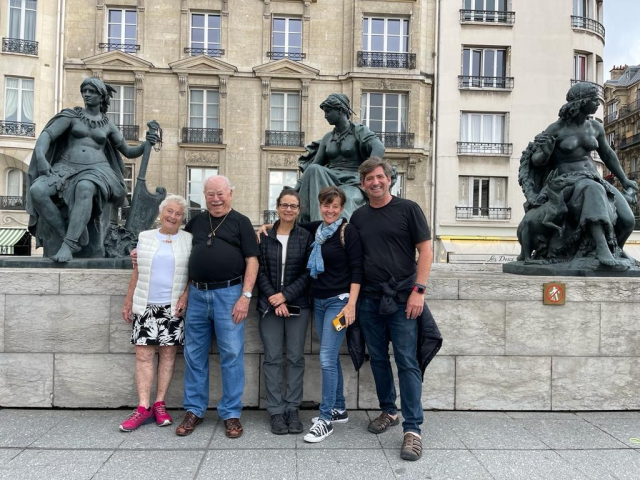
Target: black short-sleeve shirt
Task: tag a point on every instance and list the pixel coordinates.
(224, 260)
(389, 236)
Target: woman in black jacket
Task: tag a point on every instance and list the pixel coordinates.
(283, 303)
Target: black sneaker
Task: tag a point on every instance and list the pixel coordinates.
(319, 432)
(292, 420)
(336, 417)
(278, 425)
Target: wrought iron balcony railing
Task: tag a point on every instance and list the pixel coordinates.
(129, 132)
(633, 175)
(209, 52)
(487, 16)
(387, 60)
(269, 216)
(610, 118)
(201, 135)
(18, 129)
(396, 139)
(17, 45)
(587, 23)
(484, 148)
(629, 108)
(278, 138)
(502, 83)
(599, 87)
(12, 202)
(123, 47)
(629, 141)
(290, 55)
(469, 213)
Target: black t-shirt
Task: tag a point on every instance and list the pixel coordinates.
(224, 260)
(389, 237)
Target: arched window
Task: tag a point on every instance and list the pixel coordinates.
(15, 180)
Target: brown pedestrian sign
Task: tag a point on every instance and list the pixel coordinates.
(554, 293)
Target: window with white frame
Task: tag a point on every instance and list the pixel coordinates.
(196, 177)
(129, 175)
(205, 34)
(611, 139)
(582, 8)
(484, 67)
(580, 67)
(635, 165)
(15, 183)
(18, 100)
(482, 132)
(286, 38)
(204, 108)
(398, 188)
(384, 112)
(22, 19)
(122, 30)
(122, 107)
(385, 35)
(485, 10)
(482, 197)
(278, 179)
(285, 112)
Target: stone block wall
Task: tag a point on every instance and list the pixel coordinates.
(63, 343)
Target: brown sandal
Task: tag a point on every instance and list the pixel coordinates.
(383, 422)
(411, 447)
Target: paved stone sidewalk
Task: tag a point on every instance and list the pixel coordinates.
(86, 444)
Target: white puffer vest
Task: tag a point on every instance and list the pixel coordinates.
(148, 245)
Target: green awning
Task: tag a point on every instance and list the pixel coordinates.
(10, 236)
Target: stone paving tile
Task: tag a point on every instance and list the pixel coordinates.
(532, 465)
(174, 465)
(542, 416)
(20, 428)
(353, 434)
(489, 433)
(622, 429)
(571, 434)
(609, 415)
(54, 464)
(438, 465)
(257, 434)
(85, 429)
(604, 464)
(165, 438)
(436, 434)
(341, 464)
(7, 454)
(249, 465)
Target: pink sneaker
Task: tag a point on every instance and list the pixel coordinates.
(162, 417)
(140, 416)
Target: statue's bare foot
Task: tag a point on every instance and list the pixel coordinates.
(64, 254)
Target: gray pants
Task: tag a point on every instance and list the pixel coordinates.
(277, 332)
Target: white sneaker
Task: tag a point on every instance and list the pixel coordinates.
(320, 430)
(336, 417)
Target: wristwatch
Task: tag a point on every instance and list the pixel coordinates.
(421, 289)
(247, 295)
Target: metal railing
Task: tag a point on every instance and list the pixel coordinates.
(18, 45)
(18, 129)
(487, 16)
(629, 141)
(290, 55)
(610, 118)
(129, 132)
(202, 135)
(209, 52)
(269, 216)
(467, 81)
(484, 148)
(396, 139)
(629, 108)
(123, 47)
(599, 87)
(12, 202)
(464, 213)
(281, 138)
(633, 175)
(587, 23)
(387, 60)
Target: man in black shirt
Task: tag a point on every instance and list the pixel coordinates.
(223, 267)
(391, 230)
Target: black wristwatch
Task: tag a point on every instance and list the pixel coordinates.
(421, 289)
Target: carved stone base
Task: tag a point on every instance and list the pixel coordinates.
(43, 262)
(582, 267)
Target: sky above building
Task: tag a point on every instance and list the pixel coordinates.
(623, 35)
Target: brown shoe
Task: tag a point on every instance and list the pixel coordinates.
(411, 447)
(233, 428)
(188, 425)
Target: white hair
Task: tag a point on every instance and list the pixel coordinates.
(172, 198)
(208, 179)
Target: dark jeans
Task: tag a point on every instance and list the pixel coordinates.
(404, 337)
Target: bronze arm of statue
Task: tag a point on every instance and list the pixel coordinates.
(76, 176)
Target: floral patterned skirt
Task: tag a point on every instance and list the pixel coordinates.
(157, 327)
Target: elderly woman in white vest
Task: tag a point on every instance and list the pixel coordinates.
(156, 303)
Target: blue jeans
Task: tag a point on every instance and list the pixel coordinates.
(325, 310)
(210, 311)
(404, 337)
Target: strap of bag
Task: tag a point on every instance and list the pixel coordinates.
(342, 228)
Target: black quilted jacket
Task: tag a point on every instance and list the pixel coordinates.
(296, 276)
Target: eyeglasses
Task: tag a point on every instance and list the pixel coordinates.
(285, 206)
